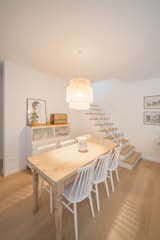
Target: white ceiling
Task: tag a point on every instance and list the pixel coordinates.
(116, 38)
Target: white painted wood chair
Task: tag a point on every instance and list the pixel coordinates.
(67, 142)
(100, 175)
(113, 166)
(79, 191)
(43, 184)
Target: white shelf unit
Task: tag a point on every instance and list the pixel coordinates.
(44, 137)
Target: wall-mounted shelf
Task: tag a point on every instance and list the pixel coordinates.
(48, 125)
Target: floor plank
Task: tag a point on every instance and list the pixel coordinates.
(131, 213)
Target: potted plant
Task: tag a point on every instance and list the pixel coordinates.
(34, 119)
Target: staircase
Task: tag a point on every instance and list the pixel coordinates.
(102, 126)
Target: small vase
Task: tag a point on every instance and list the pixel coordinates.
(82, 144)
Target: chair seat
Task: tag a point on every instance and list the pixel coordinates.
(67, 192)
(97, 181)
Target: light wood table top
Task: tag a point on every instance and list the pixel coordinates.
(63, 162)
(58, 166)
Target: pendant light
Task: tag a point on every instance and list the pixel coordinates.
(79, 93)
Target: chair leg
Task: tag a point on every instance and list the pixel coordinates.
(117, 175)
(107, 189)
(41, 187)
(51, 199)
(112, 183)
(91, 205)
(75, 221)
(97, 197)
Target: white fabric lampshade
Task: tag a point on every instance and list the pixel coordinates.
(79, 94)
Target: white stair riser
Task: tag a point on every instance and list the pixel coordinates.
(123, 157)
(111, 133)
(129, 166)
(124, 145)
(117, 139)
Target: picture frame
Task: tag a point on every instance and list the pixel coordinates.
(152, 102)
(36, 112)
(151, 118)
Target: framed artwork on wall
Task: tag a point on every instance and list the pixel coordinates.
(151, 118)
(152, 102)
(36, 112)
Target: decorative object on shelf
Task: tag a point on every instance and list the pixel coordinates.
(152, 118)
(79, 94)
(36, 112)
(152, 102)
(82, 144)
(60, 118)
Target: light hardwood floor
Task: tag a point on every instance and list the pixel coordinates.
(131, 213)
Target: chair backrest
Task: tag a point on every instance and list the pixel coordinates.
(44, 148)
(67, 142)
(115, 158)
(101, 168)
(83, 183)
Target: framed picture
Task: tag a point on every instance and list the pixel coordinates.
(36, 112)
(152, 102)
(152, 118)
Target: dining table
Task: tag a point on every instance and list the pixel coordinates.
(58, 167)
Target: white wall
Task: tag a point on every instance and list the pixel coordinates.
(125, 101)
(22, 82)
(1, 111)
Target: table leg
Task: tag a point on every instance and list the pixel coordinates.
(58, 209)
(35, 191)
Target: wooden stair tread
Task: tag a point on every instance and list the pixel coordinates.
(103, 124)
(96, 108)
(112, 129)
(94, 105)
(95, 113)
(102, 130)
(127, 149)
(113, 136)
(98, 118)
(107, 130)
(124, 141)
(109, 124)
(109, 137)
(132, 158)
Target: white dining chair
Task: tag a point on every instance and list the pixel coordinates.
(100, 175)
(67, 142)
(113, 165)
(43, 184)
(79, 191)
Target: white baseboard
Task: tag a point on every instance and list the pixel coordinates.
(150, 159)
(12, 171)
